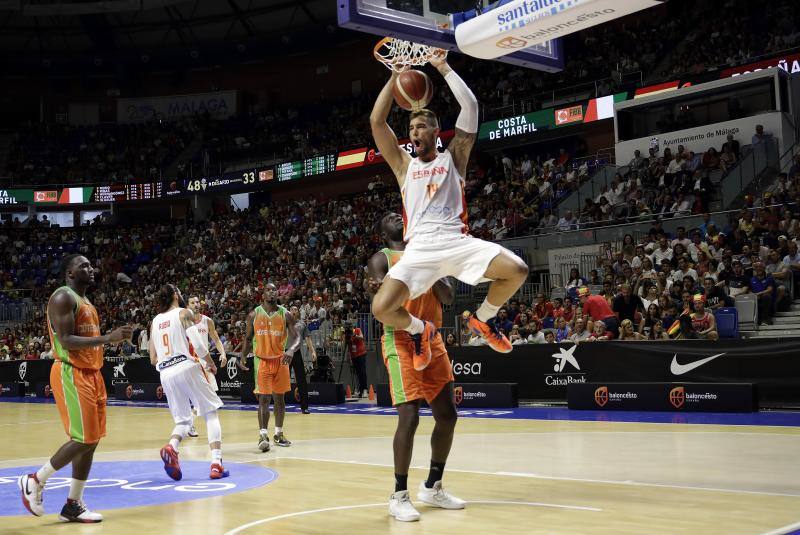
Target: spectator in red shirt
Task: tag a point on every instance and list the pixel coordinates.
(357, 350)
(569, 310)
(595, 307)
(543, 308)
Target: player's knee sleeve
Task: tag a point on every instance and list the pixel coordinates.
(182, 429)
(213, 427)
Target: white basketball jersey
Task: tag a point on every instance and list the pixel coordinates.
(169, 338)
(433, 198)
(202, 327)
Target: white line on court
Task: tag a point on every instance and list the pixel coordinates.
(538, 476)
(384, 504)
(783, 530)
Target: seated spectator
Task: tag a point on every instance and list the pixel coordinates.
(627, 333)
(562, 331)
(682, 328)
(600, 332)
(715, 296)
(5, 354)
(738, 283)
(579, 334)
(515, 337)
(568, 311)
(451, 341)
(535, 335)
(763, 286)
(658, 332)
(782, 275)
(502, 322)
(543, 308)
(649, 318)
(549, 337)
(704, 323)
(567, 222)
(792, 261)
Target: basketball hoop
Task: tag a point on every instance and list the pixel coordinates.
(398, 55)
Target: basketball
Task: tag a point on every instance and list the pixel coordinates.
(412, 90)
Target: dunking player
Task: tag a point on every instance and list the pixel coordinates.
(435, 222)
(78, 388)
(409, 386)
(176, 346)
(208, 330)
(269, 327)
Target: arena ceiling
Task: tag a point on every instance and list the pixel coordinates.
(57, 27)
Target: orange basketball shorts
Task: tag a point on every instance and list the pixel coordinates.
(271, 376)
(407, 384)
(80, 396)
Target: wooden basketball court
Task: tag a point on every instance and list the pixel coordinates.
(518, 475)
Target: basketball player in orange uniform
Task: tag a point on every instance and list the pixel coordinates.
(435, 221)
(78, 388)
(409, 385)
(269, 327)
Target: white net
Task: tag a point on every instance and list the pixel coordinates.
(399, 55)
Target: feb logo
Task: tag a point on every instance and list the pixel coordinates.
(459, 394)
(511, 42)
(601, 396)
(23, 368)
(129, 392)
(159, 392)
(677, 396)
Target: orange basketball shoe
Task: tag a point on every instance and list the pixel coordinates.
(217, 471)
(422, 346)
(490, 333)
(171, 465)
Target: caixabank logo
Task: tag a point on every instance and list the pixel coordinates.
(123, 484)
(566, 370)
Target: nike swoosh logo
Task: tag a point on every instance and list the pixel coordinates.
(680, 369)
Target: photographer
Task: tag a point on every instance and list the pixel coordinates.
(354, 341)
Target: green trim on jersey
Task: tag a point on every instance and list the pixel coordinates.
(393, 366)
(72, 402)
(58, 349)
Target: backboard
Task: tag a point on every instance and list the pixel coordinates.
(429, 22)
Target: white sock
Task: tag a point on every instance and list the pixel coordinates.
(415, 327)
(486, 311)
(76, 489)
(216, 456)
(278, 430)
(44, 473)
(265, 431)
(174, 442)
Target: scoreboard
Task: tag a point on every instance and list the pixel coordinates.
(316, 165)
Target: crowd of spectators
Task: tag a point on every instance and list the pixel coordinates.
(669, 286)
(59, 153)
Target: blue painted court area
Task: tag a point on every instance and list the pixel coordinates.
(769, 418)
(122, 484)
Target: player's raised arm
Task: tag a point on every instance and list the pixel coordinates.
(385, 139)
(467, 121)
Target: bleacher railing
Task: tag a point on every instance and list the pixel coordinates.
(750, 168)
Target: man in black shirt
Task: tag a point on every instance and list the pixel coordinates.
(625, 304)
(715, 296)
(738, 283)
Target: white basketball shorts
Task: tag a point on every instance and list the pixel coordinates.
(211, 378)
(189, 387)
(428, 259)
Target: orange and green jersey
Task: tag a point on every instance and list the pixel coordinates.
(269, 333)
(87, 323)
(425, 307)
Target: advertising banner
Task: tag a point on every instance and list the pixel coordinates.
(318, 394)
(544, 371)
(519, 24)
(139, 392)
(12, 390)
(789, 63)
(679, 397)
(468, 395)
(218, 104)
